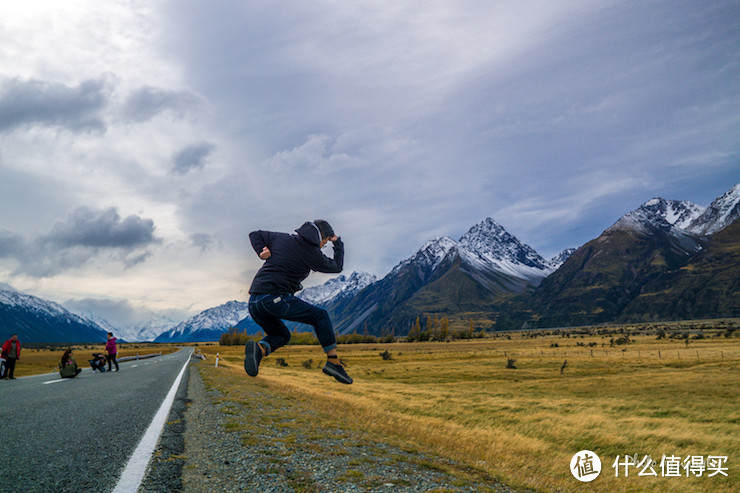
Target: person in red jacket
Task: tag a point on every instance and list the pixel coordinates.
(11, 353)
(110, 346)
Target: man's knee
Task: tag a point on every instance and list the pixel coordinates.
(320, 316)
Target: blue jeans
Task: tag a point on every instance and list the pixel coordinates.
(269, 311)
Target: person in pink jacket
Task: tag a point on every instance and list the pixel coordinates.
(110, 346)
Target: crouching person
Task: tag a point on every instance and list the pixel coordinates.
(68, 366)
(98, 363)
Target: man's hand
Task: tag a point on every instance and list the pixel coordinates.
(265, 253)
(333, 238)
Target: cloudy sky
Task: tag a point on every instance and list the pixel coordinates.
(141, 140)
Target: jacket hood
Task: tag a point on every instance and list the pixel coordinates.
(310, 232)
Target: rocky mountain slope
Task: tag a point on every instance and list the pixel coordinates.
(38, 320)
(208, 325)
(656, 262)
(445, 276)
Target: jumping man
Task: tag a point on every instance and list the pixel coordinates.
(288, 261)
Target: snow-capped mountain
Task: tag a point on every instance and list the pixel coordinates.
(428, 257)
(486, 246)
(147, 331)
(338, 287)
(208, 325)
(490, 243)
(660, 214)
(720, 214)
(37, 320)
(559, 259)
(665, 259)
(446, 275)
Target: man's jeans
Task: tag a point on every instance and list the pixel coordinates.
(269, 311)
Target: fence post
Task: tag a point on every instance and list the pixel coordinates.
(216, 360)
(659, 355)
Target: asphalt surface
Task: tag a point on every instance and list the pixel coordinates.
(76, 435)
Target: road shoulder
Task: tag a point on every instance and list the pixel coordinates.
(253, 438)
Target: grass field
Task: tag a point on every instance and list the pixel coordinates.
(523, 425)
(37, 361)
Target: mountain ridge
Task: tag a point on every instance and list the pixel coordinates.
(39, 320)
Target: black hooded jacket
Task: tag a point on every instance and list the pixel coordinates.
(292, 258)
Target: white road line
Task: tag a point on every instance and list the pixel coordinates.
(134, 472)
(56, 381)
(134, 366)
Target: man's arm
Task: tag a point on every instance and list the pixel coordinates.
(261, 240)
(322, 263)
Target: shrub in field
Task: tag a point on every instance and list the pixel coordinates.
(356, 338)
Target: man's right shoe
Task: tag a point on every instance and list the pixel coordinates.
(252, 358)
(337, 371)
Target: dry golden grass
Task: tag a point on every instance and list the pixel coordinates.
(523, 425)
(38, 361)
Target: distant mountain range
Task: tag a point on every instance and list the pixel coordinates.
(665, 260)
(38, 320)
(208, 325)
(445, 276)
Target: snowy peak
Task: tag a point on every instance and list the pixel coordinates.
(559, 259)
(720, 214)
(39, 320)
(676, 213)
(148, 331)
(659, 214)
(681, 218)
(486, 248)
(430, 255)
(219, 318)
(13, 298)
(337, 287)
(492, 242)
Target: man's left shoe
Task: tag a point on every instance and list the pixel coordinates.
(337, 371)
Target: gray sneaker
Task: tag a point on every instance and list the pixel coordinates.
(252, 358)
(337, 371)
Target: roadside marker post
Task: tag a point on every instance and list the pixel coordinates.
(216, 360)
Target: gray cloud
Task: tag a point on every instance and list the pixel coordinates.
(76, 241)
(147, 102)
(192, 157)
(204, 242)
(35, 102)
(120, 313)
(101, 229)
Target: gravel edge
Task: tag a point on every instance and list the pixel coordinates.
(269, 443)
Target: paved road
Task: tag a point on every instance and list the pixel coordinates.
(76, 435)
